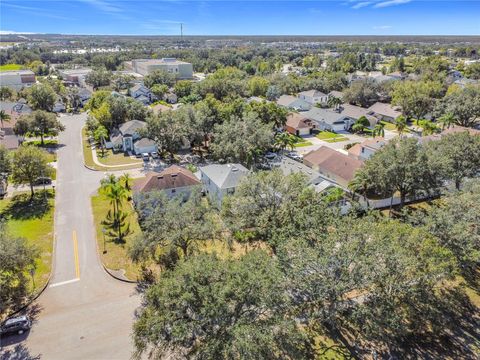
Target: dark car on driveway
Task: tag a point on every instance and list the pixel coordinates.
(43, 181)
(16, 325)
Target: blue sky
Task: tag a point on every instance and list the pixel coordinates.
(340, 17)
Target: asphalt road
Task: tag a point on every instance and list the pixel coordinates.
(84, 313)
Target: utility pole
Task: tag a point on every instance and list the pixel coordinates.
(181, 32)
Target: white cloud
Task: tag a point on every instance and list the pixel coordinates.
(390, 3)
(11, 32)
(361, 4)
(382, 27)
(105, 6)
(377, 4)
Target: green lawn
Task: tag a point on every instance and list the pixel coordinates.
(88, 157)
(303, 143)
(330, 137)
(8, 67)
(34, 222)
(111, 158)
(388, 125)
(116, 257)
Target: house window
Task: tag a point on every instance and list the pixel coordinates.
(230, 191)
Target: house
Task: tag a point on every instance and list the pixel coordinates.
(464, 82)
(335, 94)
(9, 140)
(313, 97)
(289, 166)
(220, 180)
(174, 181)
(384, 111)
(329, 120)
(75, 76)
(17, 79)
(299, 125)
(181, 69)
(294, 103)
(15, 110)
(159, 108)
(127, 139)
(141, 93)
(366, 149)
(84, 95)
(59, 106)
(333, 165)
(452, 130)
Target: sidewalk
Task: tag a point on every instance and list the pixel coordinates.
(113, 167)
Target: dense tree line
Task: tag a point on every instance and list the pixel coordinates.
(375, 281)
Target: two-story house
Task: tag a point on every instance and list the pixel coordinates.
(220, 180)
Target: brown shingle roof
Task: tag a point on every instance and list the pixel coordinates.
(333, 164)
(297, 121)
(171, 178)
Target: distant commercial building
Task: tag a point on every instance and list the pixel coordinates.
(75, 76)
(181, 69)
(17, 79)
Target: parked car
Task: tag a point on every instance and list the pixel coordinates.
(43, 181)
(154, 155)
(146, 157)
(270, 155)
(17, 325)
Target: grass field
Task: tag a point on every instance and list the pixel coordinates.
(8, 67)
(34, 222)
(116, 257)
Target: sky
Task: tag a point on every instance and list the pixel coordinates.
(248, 17)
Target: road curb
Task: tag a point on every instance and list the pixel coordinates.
(110, 272)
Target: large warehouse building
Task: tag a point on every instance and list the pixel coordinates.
(181, 69)
(17, 79)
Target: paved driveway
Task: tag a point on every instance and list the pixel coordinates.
(84, 314)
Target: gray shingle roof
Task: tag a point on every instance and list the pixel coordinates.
(325, 116)
(225, 176)
(131, 127)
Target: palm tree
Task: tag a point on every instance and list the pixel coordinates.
(428, 127)
(446, 121)
(333, 102)
(360, 185)
(100, 134)
(379, 130)
(127, 184)
(361, 124)
(116, 193)
(4, 117)
(284, 140)
(400, 124)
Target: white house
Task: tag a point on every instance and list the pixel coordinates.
(127, 139)
(294, 103)
(329, 120)
(141, 93)
(220, 180)
(313, 97)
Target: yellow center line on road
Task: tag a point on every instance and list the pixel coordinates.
(75, 253)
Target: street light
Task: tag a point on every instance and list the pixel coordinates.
(104, 244)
